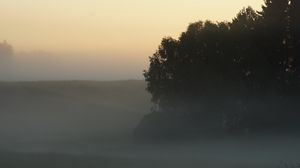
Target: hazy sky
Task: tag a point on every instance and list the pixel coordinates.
(123, 29)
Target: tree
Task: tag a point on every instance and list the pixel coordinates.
(6, 49)
(294, 39)
(273, 41)
(6, 53)
(161, 72)
(240, 73)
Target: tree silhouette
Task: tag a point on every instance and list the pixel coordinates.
(239, 75)
(6, 53)
(294, 40)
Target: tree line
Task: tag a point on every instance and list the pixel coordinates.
(240, 76)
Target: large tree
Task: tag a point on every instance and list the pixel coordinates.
(236, 73)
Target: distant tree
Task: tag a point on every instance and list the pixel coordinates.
(6, 53)
(6, 49)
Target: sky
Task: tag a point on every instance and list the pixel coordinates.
(119, 35)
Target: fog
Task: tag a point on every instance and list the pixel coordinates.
(41, 65)
(91, 124)
(74, 123)
(55, 112)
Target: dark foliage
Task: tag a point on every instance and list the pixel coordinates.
(241, 76)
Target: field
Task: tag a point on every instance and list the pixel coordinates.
(89, 124)
(71, 111)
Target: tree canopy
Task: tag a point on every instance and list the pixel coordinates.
(240, 75)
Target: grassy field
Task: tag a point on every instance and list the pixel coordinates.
(89, 124)
(37, 112)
